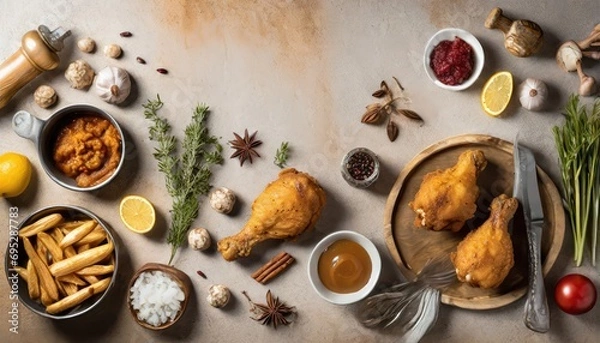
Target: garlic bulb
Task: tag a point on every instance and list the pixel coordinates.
(113, 84)
(533, 94)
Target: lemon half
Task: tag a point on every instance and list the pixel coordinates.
(496, 93)
(137, 213)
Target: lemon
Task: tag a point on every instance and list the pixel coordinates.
(496, 93)
(137, 213)
(15, 174)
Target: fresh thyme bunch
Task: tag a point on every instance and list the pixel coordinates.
(187, 176)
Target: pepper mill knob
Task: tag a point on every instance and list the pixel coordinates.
(522, 38)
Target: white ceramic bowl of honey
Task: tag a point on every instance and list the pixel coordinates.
(344, 267)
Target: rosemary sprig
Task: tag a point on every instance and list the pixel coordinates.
(187, 176)
(282, 155)
(578, 146)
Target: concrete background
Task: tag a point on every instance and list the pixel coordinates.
(297, 71)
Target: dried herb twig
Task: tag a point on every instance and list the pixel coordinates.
(282, 155)
(376, 111)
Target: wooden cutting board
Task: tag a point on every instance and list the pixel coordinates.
(411, 248)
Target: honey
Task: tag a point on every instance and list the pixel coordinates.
(344, 267)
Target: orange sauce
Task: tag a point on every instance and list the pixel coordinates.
(344, 267)
(88, 149)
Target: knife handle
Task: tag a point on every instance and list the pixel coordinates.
(537, 316)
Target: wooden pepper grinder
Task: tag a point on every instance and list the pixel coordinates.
(38, 53)
(521, 37)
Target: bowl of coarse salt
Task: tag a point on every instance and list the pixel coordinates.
(158, 295)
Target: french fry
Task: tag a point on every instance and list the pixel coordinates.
(79, 261)
(101, 285)
(44, 297)
(83, 248)
(42, 252)
(50, 244)
(70, 300)
(70, 225)
(22, 272)
(91, 279)
(70, 252)
(79, 297)
(93, 238)
(77, 234)
(70, 288)
(96, 270)
(72, 278)
(44, 274)
(42, 224)
(33, 284)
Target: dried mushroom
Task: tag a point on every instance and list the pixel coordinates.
(45, 96)
(218, 296)
(112, 51)
(222, 200)
(199, 239)
(86, 45)
(80, 74)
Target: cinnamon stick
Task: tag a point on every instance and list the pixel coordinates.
(273, 268)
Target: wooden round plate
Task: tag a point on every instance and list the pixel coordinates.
(411, 248)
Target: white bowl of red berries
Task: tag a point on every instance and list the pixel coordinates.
(453, 59)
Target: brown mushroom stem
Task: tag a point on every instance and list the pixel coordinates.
(592, 54)
(594, 37)
(587, 84)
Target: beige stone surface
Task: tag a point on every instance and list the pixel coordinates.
(297, 71)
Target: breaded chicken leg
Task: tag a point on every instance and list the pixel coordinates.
(447, 198)
(485, 256)
(286, 208)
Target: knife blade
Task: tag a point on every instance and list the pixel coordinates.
(537, 316)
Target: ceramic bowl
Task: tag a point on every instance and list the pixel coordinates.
(17, 256)
(43, 133)
(343, 298)
(450, 34)
(175, 274)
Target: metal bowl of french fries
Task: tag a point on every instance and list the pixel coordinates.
(66, 261)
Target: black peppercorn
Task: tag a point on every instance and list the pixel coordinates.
(360, 165)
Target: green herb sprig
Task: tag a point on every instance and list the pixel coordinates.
(187, 176)
(282, 155)
(578, 146)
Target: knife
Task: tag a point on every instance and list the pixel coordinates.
(537, 316)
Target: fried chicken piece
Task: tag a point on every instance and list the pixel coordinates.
(447, 198)
(287, 207)
(485, 256)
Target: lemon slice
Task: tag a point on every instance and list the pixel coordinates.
(137, 213)
(496, 93)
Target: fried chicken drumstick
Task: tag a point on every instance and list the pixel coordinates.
(447, 198)
(286, 208)
(485, 256)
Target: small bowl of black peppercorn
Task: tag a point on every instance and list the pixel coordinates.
(360, 167)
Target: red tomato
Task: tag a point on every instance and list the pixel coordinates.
(575, 294)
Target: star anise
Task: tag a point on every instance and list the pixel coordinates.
(244, 147)
(274, 312)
